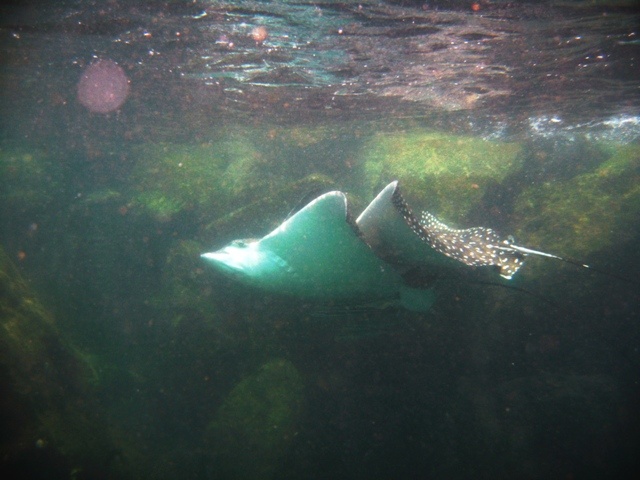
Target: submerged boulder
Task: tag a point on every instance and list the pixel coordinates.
(267, 211)
(183, 291)
(171, 179)
(587, 213)
(218, 180)
(49, 411)
(256, 423)
(450, 173)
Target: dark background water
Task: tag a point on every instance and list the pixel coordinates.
(157, 368)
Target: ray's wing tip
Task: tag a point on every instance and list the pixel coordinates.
(327, 198)
(332, 193)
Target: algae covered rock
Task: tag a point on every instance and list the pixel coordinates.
(235, 168)
(587, 213)
(257, 421)
(269, 210)
(450, 172)
(170, 179)
(46, 386)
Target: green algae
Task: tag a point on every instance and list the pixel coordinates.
(451, 173)
(269, 209)
(25, 322)
(257, 421)
(587, 213)
(45, 379)
(161, 207)
(169, 179)
(103, 196)
(237, 167)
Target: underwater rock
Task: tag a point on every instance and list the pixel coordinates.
(449, 173)
(278, 202)
(162, 208)
(587, 213)
(171, 179)
(46, 386)
(99, 229)
(235, 167)
(256, 423)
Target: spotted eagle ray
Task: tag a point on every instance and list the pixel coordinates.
(429, 242)
(321, 254)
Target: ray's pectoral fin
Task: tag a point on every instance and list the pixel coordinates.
(428, 242)
(317, 254)
(476, 247)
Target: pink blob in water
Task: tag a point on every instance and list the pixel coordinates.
(103, 86)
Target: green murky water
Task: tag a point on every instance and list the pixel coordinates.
(124, 356)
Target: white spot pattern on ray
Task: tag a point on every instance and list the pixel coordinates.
(476, 247)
